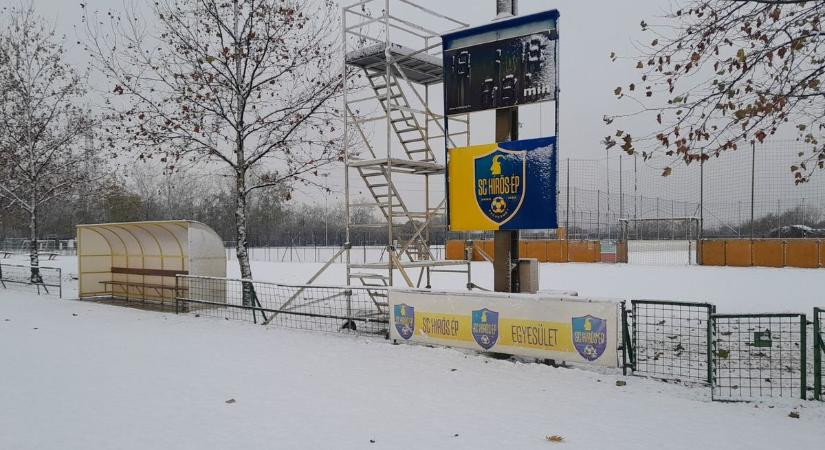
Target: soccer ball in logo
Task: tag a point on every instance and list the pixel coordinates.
(498, 206)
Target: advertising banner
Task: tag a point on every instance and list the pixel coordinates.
(564, 329)
(502, 64)
(504, 186)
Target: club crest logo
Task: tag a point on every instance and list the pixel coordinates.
(499, 183)
(485, 328)
(590, 336)
(404, 317)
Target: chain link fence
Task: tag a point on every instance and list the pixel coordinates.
(750, 192)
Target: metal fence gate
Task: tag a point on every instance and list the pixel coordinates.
(759, 355)
(671, 340)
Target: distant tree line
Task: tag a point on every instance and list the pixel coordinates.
(146, 194)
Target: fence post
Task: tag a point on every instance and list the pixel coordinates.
(818, 349)
(710, 345)
(627, 346)
(567, 213)
(699, 256)
(803, 354)
(177, 296)
(753, 185)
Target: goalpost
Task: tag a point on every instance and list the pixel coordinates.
(660, 241)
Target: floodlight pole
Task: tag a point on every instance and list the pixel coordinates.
(506, 243)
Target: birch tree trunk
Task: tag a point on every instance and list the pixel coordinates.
(242, 246)
(34, 259)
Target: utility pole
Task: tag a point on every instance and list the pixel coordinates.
(506, 243)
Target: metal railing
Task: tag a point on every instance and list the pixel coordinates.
(39, 277)
(306, 307)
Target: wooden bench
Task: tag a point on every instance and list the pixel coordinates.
(142, 288)
(50, 256)
(5, 255)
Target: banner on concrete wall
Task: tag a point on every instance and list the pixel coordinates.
(564, 329)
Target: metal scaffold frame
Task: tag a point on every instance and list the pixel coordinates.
(398, 81)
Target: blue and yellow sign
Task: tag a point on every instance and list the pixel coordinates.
(485, 328)
(590, 336)
(404, 320)
(505, 186)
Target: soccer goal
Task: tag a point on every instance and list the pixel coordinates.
(659, 241)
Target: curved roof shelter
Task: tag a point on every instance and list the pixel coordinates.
(142, 259)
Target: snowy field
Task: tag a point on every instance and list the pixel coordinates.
(90, 376)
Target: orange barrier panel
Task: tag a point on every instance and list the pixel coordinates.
(489, 248)
(586, 251)
(768, 253)
(543, 250)
(621, 252)
(802, 253)
(557, 251)
(535, 249)
(522, 249)
(738, 253)
(478, 245)
(454, 250)
(713, 253)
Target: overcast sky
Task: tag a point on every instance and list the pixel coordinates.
(590, 31)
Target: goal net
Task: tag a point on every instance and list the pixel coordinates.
(659, 241)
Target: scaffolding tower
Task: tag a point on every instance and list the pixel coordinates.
(394, 142)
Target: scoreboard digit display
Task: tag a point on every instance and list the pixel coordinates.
(502, 64)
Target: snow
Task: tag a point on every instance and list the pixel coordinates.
(731, 289)
(91, 376)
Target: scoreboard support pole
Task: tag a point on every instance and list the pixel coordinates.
(506, 243)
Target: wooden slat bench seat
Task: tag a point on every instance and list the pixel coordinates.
(142, 288)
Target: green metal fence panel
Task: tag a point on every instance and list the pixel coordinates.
(671, 340)
(819, 348)
(758, 355)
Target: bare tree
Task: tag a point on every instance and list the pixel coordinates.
(240, 84)
(41, 120)
(719, 73)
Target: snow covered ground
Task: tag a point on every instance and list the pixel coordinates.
(90, 376)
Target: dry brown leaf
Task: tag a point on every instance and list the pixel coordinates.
(554, 438)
